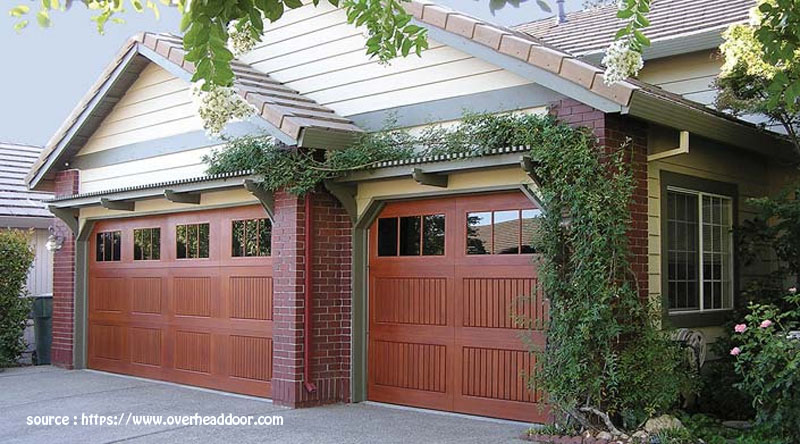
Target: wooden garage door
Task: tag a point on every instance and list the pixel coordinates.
(446, 278)
(184, 297)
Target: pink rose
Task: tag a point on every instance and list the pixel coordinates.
(766, 323)
(793, 290)
(740, 328)
(735, 351)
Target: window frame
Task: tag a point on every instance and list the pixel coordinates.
(421, 217)
(198, 223)
(157, 247)
(232, 223)
(699, 187)
(97, 237)
(520, 235)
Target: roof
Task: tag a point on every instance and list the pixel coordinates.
(632, 97)
(293, 118)
(591, 31)
(16, 201)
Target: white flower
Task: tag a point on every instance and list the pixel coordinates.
(241, 40)
(218, 106)
(621, 62)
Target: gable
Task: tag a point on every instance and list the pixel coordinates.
(156, 105)
(339, 75)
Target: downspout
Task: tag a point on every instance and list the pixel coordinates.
(308, 290)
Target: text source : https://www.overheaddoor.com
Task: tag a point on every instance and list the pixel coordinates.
(129, 419)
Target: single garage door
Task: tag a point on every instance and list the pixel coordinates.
(447, 276)
(184, 297)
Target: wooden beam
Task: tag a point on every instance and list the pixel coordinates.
(528, 165)
(264, 196)
(117, 204)
(434, 180)
(68, 215)
(346, 195)
(187, 198)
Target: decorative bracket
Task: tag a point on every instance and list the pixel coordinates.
(68, 215)
(431, 179)
(117, 204)
(527, 164)
(345, 193)
(187, 198)
(265, 197)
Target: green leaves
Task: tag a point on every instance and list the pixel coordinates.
(387, 23)
(634, 12)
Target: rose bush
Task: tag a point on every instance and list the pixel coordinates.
(768, 360)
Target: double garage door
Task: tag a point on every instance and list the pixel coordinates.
(185, 297)
(448, 277)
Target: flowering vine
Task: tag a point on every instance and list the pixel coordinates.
(623, 57)
(218, 106)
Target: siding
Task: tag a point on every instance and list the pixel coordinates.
(40, 277)
(151, 170)
(157, 105)
(690, 75)
(315, 51)
(753, 174)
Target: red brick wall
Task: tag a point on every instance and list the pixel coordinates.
(331, 301)
(66, 183)
(611, 131)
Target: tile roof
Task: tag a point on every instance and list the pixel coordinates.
(288, 111)
(591, 31)
(15, 198)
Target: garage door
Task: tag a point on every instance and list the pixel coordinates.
(447, 276)
(184, 297)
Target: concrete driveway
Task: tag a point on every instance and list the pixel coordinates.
(81, 398)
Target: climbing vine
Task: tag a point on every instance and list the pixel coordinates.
(606, 365)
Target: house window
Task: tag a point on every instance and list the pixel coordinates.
(502, 232)
(192, 241)
(147, 244)
(411, 235)
(252, 237)
(109, 246)
(699, 250)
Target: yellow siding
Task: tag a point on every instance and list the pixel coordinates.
(157, 105)
(397, 188)
(709, 161)
(690, 75)
(183, 164)
(316, 52)
(156, 206)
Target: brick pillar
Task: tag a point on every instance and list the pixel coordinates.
(611, 131)
(331, 304)
(66, 183)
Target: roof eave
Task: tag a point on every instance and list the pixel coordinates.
(731, 131)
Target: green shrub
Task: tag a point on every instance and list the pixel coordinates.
(768, 360)
(15, 261)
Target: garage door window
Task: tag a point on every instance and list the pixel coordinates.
(147, 244)
(411, 235)
(252, 237)
(109, 246)
(192, 241)
(502, 232)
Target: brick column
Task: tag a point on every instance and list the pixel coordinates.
(332, 297)
(611, 131)
(66, 183)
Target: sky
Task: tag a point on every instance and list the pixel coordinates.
(46, 72)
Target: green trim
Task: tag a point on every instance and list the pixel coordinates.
(81, 299)
(359, 332)
(698, 319)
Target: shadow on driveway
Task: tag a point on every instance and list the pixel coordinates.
(31, 393)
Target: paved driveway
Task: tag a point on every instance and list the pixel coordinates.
(34, 393)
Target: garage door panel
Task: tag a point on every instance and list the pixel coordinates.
(444, 330)
(205, 322)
